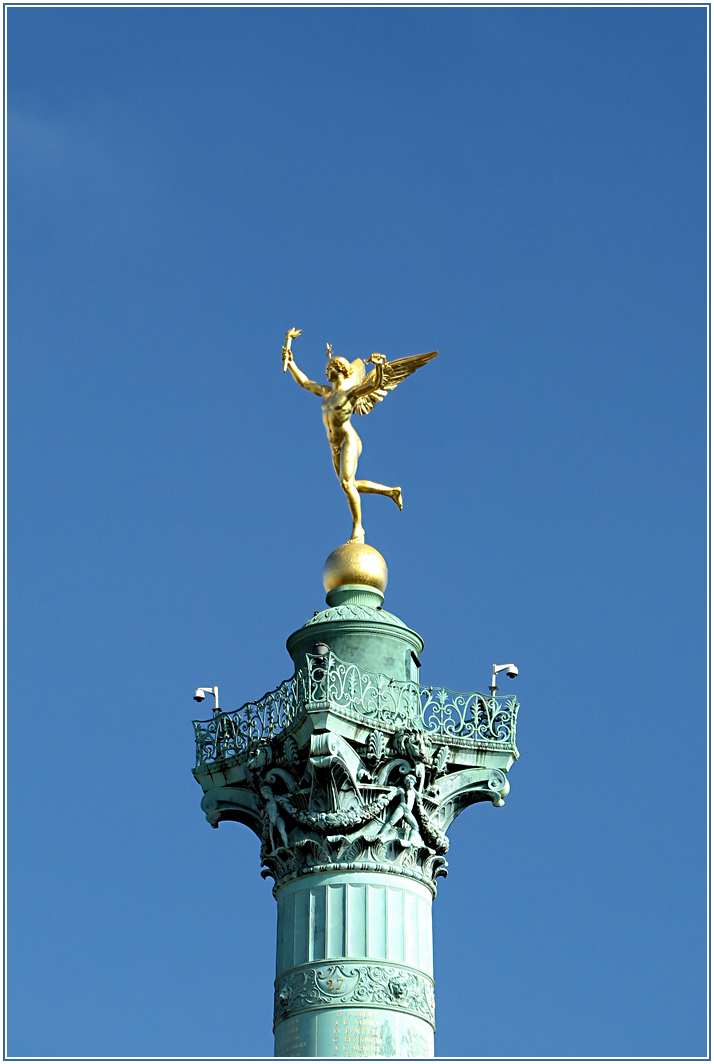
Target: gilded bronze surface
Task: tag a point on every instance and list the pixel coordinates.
(355, 563)
(353, 390)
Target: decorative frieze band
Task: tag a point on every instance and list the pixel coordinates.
(352, 984)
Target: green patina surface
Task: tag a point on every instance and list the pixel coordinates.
(351, 773)
(370, 637)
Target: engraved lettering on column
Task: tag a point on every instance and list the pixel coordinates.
(288, 1042)
(414, 1044)
(362, 1033)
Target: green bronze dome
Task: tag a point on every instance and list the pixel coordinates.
(365, 634)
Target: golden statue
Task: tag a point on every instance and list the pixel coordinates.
(352, 389)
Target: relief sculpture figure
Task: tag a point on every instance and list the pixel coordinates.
(352, 390)
(403, 811)
(273, 816)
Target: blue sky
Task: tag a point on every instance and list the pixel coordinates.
(523, 189)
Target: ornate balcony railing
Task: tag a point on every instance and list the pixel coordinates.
(231, 734)
(478, 719)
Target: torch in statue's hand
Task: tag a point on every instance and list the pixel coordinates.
(287, 352)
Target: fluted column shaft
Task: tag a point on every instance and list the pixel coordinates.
(354, 968)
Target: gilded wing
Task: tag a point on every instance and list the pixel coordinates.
(358, 371)
(394, 373)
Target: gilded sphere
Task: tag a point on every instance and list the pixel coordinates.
(355, 563)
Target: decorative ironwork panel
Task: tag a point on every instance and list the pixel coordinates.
(342, 685)
(232, 734)
(400, 704)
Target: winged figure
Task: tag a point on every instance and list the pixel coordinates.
(352, 390)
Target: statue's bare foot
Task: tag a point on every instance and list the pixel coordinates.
(358, 534)
(396, 494)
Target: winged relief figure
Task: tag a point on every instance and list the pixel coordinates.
(352, 390)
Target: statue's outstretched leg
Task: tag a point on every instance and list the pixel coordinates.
(392, 820)
(368, 487)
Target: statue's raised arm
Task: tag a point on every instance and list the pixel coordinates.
(352, 389)
(298, 375)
